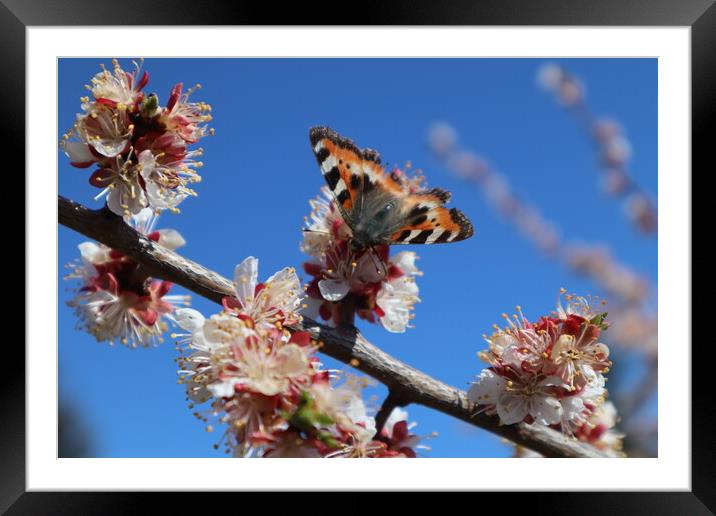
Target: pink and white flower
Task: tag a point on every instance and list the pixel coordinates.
(276, 300)
(250, 374)
(122, 184)
(140, 148)
(599, 430)
(116, 299)
(380, 288)
(106, 131)
(519, 399)
(183, 118)
(242, 360)
(344, 405)
(398, 295)
(396, 432)
(549, 372)
(289, 444)
(354, 428)
(271, 366)
(119, 88)
(267, 387)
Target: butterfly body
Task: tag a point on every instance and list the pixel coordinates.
(379, 207)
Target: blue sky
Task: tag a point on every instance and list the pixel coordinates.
(259, 174)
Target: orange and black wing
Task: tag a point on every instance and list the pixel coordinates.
(429, 222)
(348, 170)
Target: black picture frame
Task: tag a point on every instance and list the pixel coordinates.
(700, 15)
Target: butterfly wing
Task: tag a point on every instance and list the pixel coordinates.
(348, 170)
(427, 221)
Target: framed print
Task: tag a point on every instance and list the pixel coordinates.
(246, 260)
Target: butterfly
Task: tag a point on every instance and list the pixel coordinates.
(377, 205)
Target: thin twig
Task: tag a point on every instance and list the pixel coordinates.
(344, 344)
(391, 401)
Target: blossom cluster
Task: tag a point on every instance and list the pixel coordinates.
(371, 283)
(266, 384)
(599, 431)
(613, 147)
(549, 372)
(140, 149)
(116, 299)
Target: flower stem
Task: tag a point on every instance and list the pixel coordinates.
(391, 401)
(348, 311)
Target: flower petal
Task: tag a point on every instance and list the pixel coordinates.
(110, 147)
(293, 360)
(512, 409)
(487, 389)
(120, 199)
(171, 239)
(147, 162)
(572, 408)
(396, 416)
(143, 220)
(406, 261)
(224, 389)
(245, 279)
(92, 253)
(189, 319)
(396, 300)
(546, 410)
(79, 153)
(162, 198)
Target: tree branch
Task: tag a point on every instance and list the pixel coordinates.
(392, 401)
(344, 344)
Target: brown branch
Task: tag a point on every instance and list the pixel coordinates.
(344, 344)
(392, 401)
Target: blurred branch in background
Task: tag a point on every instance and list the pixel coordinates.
(612, 146)
(633, 324)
